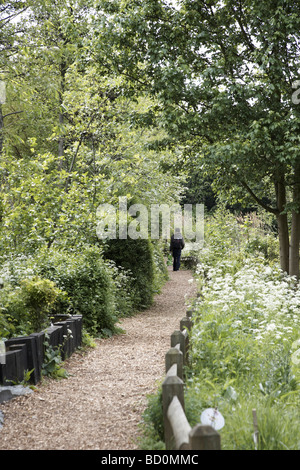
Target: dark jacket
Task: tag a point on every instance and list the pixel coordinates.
(177, 242)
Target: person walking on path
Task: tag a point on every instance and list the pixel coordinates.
(176, 245)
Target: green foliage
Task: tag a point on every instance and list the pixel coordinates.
(136, 256)
(52, 363)
(88, 282)
(161, 274)
(6, 328)
(87, 340)
(14, 318)
(277, 420)
(223, 76)
(56, 281)
(244, 327)
(152, 424)
(236, 237)
(124, 294)
(25, 307)
(38, 296)
(70, 141)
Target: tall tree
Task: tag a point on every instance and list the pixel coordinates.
(71, 146)
(224, 73)
(9, 42)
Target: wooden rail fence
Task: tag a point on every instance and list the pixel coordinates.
(178, 433)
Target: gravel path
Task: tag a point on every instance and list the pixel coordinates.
(99, 406)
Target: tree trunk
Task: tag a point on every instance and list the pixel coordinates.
(61, 140)
(295, 229)
(283, 234)
(1, 129)
(294, 246)
(283, 229)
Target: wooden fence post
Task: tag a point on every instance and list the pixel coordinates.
(171, 386)
(190, 312)
(174, 356)
(185, 326)
(185, 322)
(177, 430)
(178, 337)
(203, 437)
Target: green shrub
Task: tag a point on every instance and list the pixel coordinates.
(264, 244)
(38, 296)
(124, 295)
(7, 329)
(136, 257)
(14, 317)
(88, 282)
(102, 290)
(25, 308)
(161, 274)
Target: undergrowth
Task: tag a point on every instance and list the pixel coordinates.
(244, 343)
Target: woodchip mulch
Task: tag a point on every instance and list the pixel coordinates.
(100, 405)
